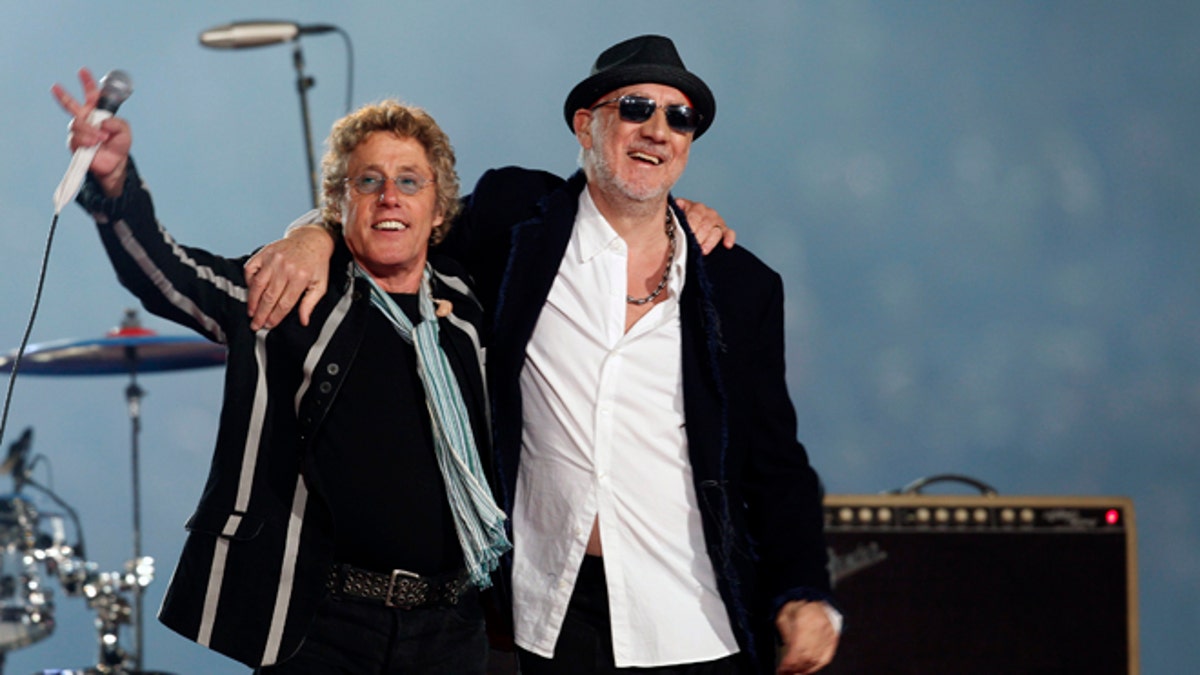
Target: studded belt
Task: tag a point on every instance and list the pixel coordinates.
(399, 588)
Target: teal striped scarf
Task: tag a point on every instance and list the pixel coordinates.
(477, 520)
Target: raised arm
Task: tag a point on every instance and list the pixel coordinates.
(188, 285)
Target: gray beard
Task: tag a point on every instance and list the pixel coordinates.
(607, 180)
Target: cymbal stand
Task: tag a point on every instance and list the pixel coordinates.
(133, 396)
(104, 594)
(112, 610)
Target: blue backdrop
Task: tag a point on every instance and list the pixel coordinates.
(984, 213)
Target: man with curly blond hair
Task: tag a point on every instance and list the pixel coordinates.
(347, 524)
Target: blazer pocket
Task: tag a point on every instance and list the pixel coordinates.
(226, 524)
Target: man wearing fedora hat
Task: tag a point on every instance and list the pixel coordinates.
(663, 514)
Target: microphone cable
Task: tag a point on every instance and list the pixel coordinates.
(115, 87)
(37, 301)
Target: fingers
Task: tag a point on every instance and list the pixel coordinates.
(91, 96)
(88, 82)
(264, 296)
(65, 100)
(279, 309)
(709, 240)
(717, 235)
(307, 296)
(801, 661)
(263, 291)
(81, 132)
(309, 302)
(254, 288)
(276, 285)
(809, 638)
(708, 226)
(728, 237)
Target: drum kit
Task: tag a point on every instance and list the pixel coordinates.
(34, 543)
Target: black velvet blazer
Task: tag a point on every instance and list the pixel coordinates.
(760, 498)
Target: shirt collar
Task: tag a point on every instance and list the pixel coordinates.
(593, 234)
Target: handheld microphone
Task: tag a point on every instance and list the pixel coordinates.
(115, 87)
(248, 34)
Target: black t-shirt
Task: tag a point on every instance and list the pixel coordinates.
(377, 463)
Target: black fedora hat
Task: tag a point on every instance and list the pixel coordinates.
(647, 58)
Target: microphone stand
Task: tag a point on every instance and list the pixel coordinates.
(303, 84)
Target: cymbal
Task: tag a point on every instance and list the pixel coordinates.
(122, 351)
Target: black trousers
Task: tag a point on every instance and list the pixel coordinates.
(585, 643)
(356, 637)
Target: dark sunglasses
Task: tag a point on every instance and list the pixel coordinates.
(638, 109)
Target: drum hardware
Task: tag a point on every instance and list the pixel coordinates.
(129, 350)
(105, 594)
(29, 539)
(26, 606)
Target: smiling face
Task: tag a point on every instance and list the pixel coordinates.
(635, 161)
(388, 231)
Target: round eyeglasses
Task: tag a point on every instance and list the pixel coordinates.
(372, 182)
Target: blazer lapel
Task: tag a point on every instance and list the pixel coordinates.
(538, 247)
(705, 403)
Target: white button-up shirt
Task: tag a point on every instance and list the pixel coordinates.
(604, 438)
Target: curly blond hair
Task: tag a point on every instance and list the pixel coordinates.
(406, 122)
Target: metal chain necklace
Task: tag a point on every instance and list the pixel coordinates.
(666, 275)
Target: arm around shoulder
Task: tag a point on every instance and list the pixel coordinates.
(290, 270)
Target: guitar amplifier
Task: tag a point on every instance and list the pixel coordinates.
(984, 584)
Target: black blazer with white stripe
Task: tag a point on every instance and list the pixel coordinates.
(260, 543)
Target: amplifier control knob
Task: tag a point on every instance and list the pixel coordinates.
(942, 515)
(961, 516)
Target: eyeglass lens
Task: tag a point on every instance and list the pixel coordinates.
(681, 118)
(407, 183)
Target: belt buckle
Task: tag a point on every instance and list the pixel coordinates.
(404, 590)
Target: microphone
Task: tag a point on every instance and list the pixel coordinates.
(247, 34)
(115, 87)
